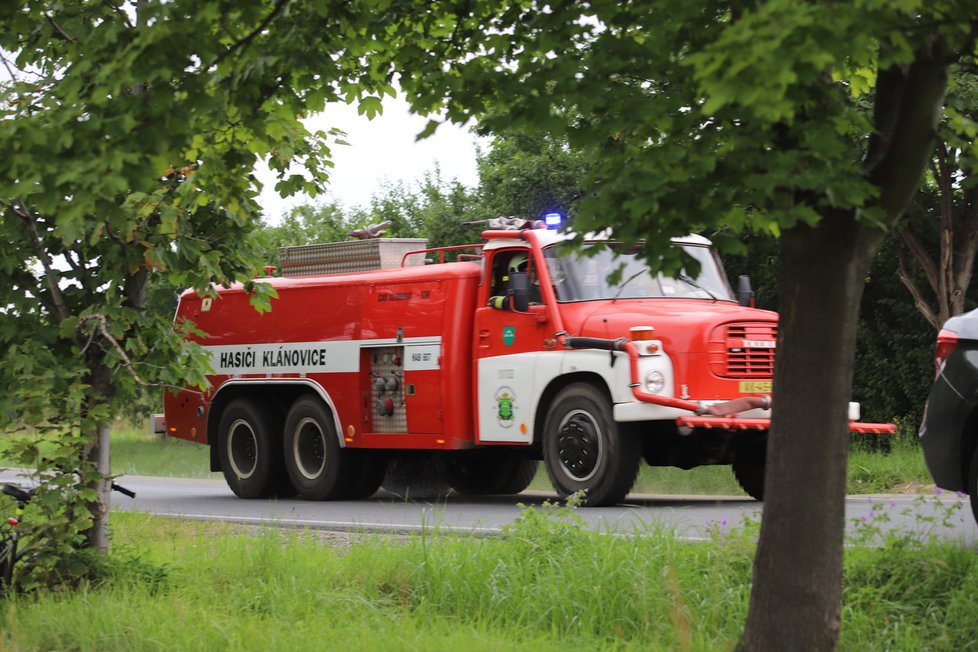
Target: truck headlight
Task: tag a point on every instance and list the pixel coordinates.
(655, 382)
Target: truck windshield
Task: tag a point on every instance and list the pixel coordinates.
(586, 278)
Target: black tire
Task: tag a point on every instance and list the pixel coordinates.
(479, 474)
(418, 478)
(318, 467)
(972, 487)
(520, 476)
(369, 477)
(250, 449)
(748, 468)
(585, 450)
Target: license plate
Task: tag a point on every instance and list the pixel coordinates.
(755, 387)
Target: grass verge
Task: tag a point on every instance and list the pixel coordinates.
(140, 452)
(548, 584)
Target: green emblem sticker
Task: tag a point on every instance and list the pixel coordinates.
(509, 335)
(505, 407)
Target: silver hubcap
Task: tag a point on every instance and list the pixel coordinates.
(242, 449)
(309, 448)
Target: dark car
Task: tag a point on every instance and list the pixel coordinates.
(949, 432)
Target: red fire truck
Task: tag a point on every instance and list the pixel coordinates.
(514, 353)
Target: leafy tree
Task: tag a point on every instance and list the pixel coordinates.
(130, 131)
(523, 175)
(529, 175)
(436, 210)
(306, 224)
(701, 115)
(446, 208)
(397, 204)
(940, 235)
(894, 358)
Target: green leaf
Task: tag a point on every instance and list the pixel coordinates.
(370, 106)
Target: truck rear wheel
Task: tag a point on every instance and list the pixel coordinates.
(484, 475)
(317, 465)
(250, 450)
(585, 450)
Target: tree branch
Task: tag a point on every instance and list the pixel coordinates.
(890, 84)
(134, 289)
(58, 31)
(895, 161)
(967, 237)
(920, 302)
(102, 329)
(945, 234)
(10, 70)
(120, 12)
(58, 305)
(100, 326)
(923, 257)
(246, 41)
(75, 262)
(455, 39)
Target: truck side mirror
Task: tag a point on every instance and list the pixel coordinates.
(745, 295)
(519, 287)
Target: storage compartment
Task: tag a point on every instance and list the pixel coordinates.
(351, 256)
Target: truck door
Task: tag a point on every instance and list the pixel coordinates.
(509, 340)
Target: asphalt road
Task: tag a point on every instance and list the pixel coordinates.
(691, 517)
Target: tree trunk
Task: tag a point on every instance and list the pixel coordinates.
(796, 595)
(96, 451)
(98, 534)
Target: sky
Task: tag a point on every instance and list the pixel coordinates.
(382, 149)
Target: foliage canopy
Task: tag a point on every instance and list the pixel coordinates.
(130, 131)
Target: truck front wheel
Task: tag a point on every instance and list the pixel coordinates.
(585, 450)
(481, 474)
(369, 475)
(749, 467)
(313, 456)
(250, 449)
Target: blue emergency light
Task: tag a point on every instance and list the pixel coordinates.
(552, 220)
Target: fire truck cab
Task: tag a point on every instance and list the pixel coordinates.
(516, 352)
